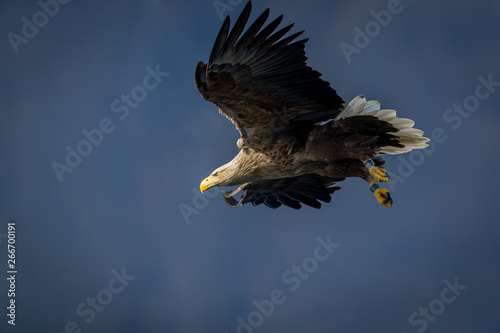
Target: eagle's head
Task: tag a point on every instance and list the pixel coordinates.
(242, 169)
(222, 176)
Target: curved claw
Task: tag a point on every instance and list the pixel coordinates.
(228, 196)
(383, 197)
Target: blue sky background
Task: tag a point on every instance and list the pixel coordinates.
(120, 208)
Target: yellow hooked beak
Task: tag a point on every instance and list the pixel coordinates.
(209, 182)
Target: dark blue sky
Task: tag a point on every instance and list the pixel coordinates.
(104, 247)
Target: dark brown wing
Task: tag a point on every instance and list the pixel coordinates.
(261, 81)
(291, 192)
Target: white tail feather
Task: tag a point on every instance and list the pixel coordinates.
(409, 137)
(371, 106)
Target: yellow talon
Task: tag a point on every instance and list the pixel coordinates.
(383, 197)
(379, 174)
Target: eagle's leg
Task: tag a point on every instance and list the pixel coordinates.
(381, 194)
(380, 174)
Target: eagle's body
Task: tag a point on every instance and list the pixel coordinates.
(297, 138)
(321, 152)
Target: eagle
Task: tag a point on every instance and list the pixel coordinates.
(297, 138)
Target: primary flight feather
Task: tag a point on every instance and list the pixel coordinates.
(290, 152)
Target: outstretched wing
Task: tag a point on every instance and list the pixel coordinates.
(291, 192)
(261, 81)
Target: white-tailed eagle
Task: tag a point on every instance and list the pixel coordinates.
(297, 137)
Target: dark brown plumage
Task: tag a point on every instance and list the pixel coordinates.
(297, 138)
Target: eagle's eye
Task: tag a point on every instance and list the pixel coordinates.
(216, 174)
